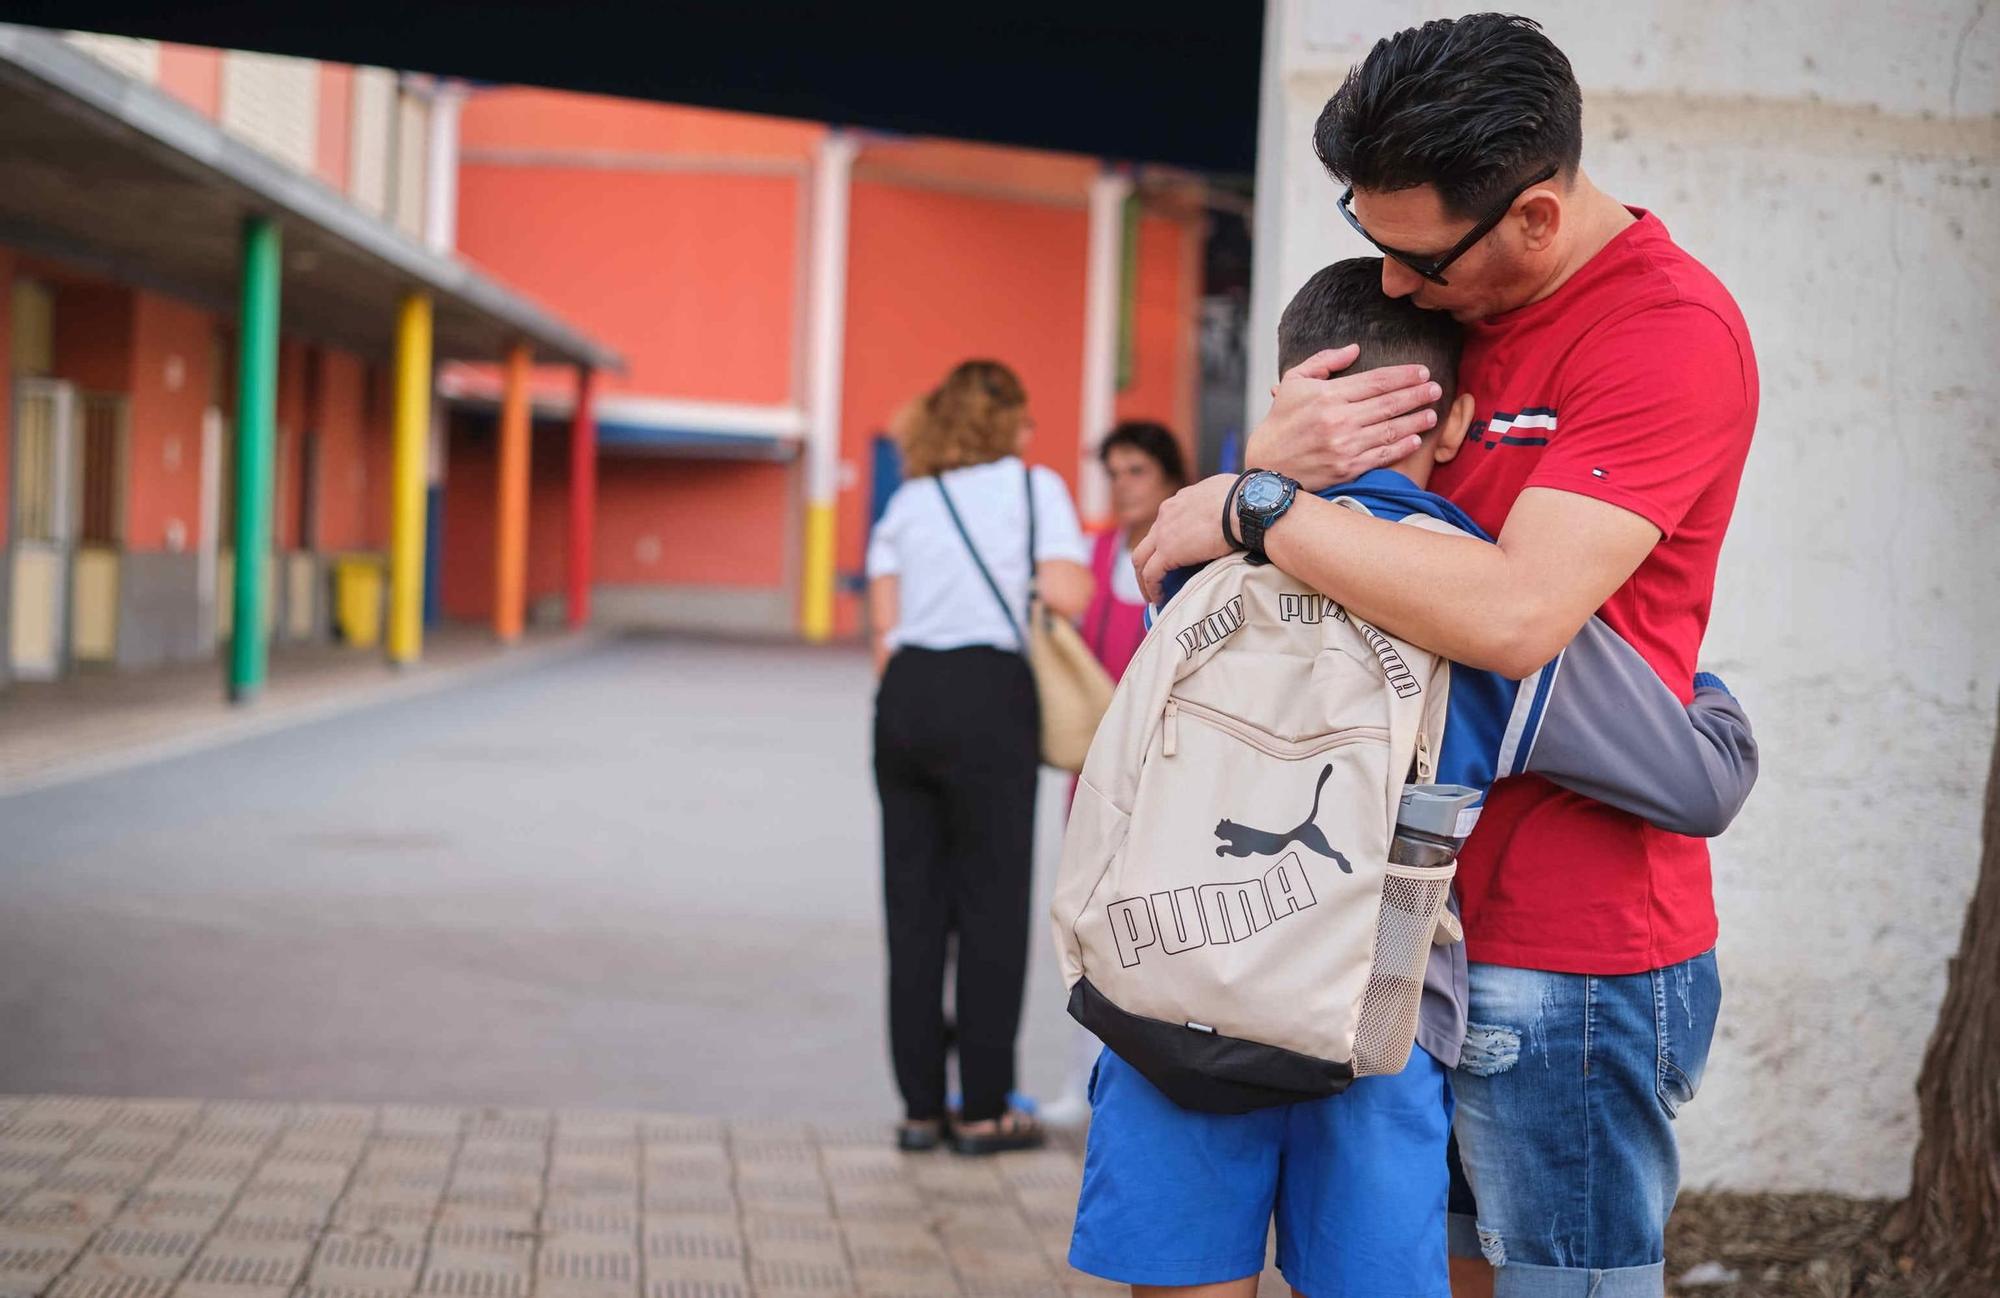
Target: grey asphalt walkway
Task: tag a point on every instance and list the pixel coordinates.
(508, 928)
(641, 876)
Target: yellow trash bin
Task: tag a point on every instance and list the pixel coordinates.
(357, 598)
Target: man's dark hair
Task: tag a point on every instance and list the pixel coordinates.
(1149, 438)
(1344, 303)
(1475, 106)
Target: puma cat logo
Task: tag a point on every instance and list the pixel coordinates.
(1244, 840)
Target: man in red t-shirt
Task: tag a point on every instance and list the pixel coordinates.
(1616, 395)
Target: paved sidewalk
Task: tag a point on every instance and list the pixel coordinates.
(189, 1199)
(98, 721)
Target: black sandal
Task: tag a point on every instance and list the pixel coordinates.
(920, 1135)
(1012, 1130)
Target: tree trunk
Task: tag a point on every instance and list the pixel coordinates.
(1951, 1221)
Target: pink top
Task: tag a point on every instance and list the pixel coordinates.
(1112, 627)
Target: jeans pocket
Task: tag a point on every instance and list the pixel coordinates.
(1687, 998)
(1090, 1087)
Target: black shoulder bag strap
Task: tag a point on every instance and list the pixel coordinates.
(1005, 610)
(1028, 481)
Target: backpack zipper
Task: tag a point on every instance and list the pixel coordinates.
(1257, 737)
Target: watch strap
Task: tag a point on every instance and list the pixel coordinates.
(1233, 539)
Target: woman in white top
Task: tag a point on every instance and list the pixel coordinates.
(956, 734)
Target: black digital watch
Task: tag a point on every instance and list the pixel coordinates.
(1262, 497)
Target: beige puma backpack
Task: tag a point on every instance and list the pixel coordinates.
(1226, 915)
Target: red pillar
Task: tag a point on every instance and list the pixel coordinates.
(582, 495)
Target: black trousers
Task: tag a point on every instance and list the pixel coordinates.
(956, 740)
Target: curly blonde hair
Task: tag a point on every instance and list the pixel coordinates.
(973, 417)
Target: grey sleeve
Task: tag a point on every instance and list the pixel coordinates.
(1612, 730)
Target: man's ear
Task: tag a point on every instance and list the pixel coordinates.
(1541, 214)
(1451, 435)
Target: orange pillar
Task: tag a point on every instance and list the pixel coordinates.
(510, 550)
(582, 496)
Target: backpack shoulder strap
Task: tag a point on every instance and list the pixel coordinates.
(973, 550)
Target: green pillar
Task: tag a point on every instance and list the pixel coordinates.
(256, 423)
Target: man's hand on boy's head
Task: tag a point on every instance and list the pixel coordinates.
(1187, 531)
(1326, 427)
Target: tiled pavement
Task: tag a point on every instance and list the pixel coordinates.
(189, 1199)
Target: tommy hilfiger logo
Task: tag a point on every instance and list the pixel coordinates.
(1213, 629)
(1187, 918)
(1529, 427)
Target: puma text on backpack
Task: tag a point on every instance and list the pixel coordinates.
(1226, 915)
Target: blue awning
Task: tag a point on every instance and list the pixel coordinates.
(700, 443)
(636, 424)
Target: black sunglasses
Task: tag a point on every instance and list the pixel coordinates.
(1432, 268)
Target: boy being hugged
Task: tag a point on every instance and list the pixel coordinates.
(1357, 1182)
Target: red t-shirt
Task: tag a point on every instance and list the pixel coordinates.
(1633, 383)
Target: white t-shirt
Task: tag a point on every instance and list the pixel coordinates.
(1124, 581)
(942, 602)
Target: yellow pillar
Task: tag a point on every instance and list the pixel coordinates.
(826, 327)
(816, 612)
(408, 478)
(510, 529)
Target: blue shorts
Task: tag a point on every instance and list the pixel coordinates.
(1566, 1189)
(1356, 1181)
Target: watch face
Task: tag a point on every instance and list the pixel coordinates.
(1263, 492)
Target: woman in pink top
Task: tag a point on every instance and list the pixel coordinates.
(1144, 461)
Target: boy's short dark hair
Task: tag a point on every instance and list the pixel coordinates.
(1475, 106)
(1344, 303)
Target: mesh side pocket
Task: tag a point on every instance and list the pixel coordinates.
(1412, 896)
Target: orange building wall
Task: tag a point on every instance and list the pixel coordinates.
(525, 118)
(1163, 326)
(289, 474)
(92, 342)
(688, 274)
(192, 75)
(336, 119)
(548, 512)
(935, 278)
(1064, 177)
(170, 341)
(6, 388)
(611, 213)
(344, 484)
(659, 521)
(378, 450)
(467, 569)
(469, 511)
(716, 523)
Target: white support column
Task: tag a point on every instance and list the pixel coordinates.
(825, 361)
(1273, 217)
(441, 169)
(1103, 273)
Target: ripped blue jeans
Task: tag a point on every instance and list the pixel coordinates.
(1564, 1161)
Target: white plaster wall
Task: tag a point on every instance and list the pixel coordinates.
(1834, 164)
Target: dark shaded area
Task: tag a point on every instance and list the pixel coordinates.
(1168, 81)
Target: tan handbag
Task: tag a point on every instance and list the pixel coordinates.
(1072, 687)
